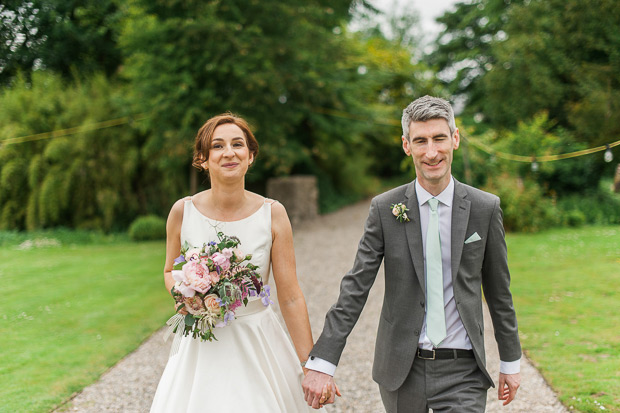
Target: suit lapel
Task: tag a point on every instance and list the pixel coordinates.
(413, 230)
(460, 220)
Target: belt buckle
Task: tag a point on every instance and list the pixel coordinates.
(426, 358)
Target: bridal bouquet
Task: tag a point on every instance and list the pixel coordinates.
(211, 283)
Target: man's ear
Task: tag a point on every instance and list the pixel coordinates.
(406, 147)
(457, 138)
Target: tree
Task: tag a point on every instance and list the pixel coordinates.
(188, 61)
(515, 60)
(90, 180)
(65, 36)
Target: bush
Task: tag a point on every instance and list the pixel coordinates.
(524, 206)
(149, 227)
(598, 206)
(575, 218)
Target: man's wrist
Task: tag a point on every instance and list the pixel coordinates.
(510, 367)
(320, 365)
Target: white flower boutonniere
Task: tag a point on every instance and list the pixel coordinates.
(400, 212)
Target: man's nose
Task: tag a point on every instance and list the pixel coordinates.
(431, 151)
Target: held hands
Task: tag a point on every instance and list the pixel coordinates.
(508, 385)
(319, 389)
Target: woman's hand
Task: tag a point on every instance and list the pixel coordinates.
(329, 394)
(182, 311)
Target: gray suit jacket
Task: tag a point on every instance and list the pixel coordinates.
(399, 244)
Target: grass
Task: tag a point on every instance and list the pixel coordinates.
(565, 285)
(70, 312)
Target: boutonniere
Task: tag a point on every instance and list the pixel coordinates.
(400, 212)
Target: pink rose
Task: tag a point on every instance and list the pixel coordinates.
(212, 303)
(195, 305)
(215, 277)
(221, 260)
(239, 256)
(227, 252)
(182, 283)
(197, 276)
(396, 210)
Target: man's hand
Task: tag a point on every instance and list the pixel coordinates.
(508, 385)
(319, 389)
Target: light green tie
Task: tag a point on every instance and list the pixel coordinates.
(435, 315)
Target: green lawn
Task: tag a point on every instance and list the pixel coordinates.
(68, 313)
(566, 285)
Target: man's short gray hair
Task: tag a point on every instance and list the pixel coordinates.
(427, 108)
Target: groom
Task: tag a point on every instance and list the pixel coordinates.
(441, 241)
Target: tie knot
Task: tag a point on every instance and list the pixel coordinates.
(432, 203)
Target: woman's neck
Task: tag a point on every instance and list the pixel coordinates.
(228, 198)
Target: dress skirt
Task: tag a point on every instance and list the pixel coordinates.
(252, 367)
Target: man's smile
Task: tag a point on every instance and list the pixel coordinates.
(434, 163)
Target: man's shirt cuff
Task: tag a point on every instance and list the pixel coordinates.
(508, 367)
(320, 365)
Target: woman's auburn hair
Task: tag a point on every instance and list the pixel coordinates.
(204, 137)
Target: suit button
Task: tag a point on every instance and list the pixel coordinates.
(422, 303)
(311, 357)
(417, 333)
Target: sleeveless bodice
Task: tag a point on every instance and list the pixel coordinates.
(254, 232)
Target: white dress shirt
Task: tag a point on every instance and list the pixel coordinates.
(456, 335)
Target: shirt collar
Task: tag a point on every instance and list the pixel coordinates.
(445, 197)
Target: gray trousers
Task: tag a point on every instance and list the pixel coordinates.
(455, 385)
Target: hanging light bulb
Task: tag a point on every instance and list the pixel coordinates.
(608, 157)
(534, 165)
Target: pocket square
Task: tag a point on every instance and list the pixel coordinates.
(474, 237)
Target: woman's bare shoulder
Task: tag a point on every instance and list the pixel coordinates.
(176, 212)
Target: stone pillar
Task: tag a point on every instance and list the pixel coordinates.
(617, 180)
(299, 194)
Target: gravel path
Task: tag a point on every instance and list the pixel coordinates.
(325, 249)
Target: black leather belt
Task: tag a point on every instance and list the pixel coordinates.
(444, 354)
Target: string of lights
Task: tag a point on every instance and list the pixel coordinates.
(544, 158)
(75, 130)
(330, 112)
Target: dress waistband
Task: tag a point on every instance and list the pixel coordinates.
(254, 306)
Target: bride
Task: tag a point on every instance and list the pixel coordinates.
(252, 366)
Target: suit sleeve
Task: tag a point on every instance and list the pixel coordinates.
(496, 287)
(354, 289)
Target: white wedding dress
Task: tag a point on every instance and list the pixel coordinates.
(252, 367)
